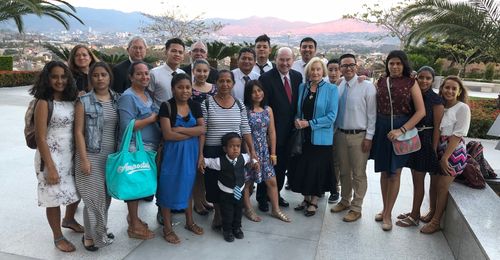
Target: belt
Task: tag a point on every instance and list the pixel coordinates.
(352, 132)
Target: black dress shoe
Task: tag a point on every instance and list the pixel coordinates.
(238, 233)
(228, 236)
(263, 206)
(283, 203)
(110, 235)
(287, 186)
(91, 248)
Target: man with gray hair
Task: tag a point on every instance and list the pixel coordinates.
(199, 51)
(136, 52)
(281, 86)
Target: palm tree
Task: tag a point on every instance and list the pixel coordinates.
(16, 9)
(61, 52)
(476, 22)
(217, 50)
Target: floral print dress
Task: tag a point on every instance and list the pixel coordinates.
(259, 124)
(61, 147)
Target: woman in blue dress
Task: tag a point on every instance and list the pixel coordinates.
(182, 124)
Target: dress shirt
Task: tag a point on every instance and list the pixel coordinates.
(214, 163)
(300, 66)
(160, 83)
(267, 67)
(360, 110)
(239, 86)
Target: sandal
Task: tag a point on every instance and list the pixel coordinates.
(427, 218)
(62, 249)
(302, 205)
(143, 234)
(91, 248)
(407, 222)
(197, 230)
(73, 226)
(379, 217)
(208, 207)
(281, 216)
(310, 213)
(430, 228)
(142, 222)
(171, 237)
(251, 215)
(202, 212)
(404, 215)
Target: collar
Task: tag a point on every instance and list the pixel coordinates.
(284, 75)
(353, 81)
(321, 83)
(231, 160)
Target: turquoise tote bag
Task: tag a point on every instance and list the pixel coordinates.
(131, 175)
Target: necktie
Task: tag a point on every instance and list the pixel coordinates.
(343, 104)
(246, 78)
(288, 89)
(261, 68)
(237, 192)
(174, 73)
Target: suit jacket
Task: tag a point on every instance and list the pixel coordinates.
(212, 76)
(121, 80)
(284, 111)
(120, 76)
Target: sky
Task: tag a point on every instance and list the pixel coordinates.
(318, 11)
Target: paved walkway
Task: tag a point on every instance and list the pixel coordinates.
(25, 233)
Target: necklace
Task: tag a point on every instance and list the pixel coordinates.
(311, 95)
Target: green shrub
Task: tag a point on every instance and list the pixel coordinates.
(489, 72)
(6, 62)
(417, 61)
(17, 78)
(483, 114)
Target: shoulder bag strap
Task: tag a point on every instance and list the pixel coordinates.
(390, 101)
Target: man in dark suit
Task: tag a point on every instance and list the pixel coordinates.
(281, 85)
(136, 52)
(199, 51)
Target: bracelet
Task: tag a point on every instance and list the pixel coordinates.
(404, 129)
(273, 157)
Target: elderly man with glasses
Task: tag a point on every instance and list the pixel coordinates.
(199, 51)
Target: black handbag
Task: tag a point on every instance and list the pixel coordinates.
(296, 142)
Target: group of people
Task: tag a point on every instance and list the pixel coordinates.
(219, 132)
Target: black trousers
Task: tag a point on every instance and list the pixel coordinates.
(231, 211)
(280, 169)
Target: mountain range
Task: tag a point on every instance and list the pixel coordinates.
(105, 21)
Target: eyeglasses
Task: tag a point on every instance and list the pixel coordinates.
(345, 66)
(199, 50)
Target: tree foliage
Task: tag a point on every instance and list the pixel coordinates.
(174, 23)
(217, 51)
(476, 23)
(16, 9)
(387, 19)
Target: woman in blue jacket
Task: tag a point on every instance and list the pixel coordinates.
(311, 172)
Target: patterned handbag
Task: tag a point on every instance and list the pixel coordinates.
(408, 142)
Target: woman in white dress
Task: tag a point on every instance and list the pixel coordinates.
(54, 90)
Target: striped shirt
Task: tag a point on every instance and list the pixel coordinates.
(220, 121)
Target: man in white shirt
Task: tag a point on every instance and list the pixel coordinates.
(307, 52)
(244, 73)
(161, 76)
(263, 50)
(353, 138)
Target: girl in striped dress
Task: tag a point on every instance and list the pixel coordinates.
(96, 122)
(452, 153)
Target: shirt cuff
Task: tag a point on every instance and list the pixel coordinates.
(369, 136)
